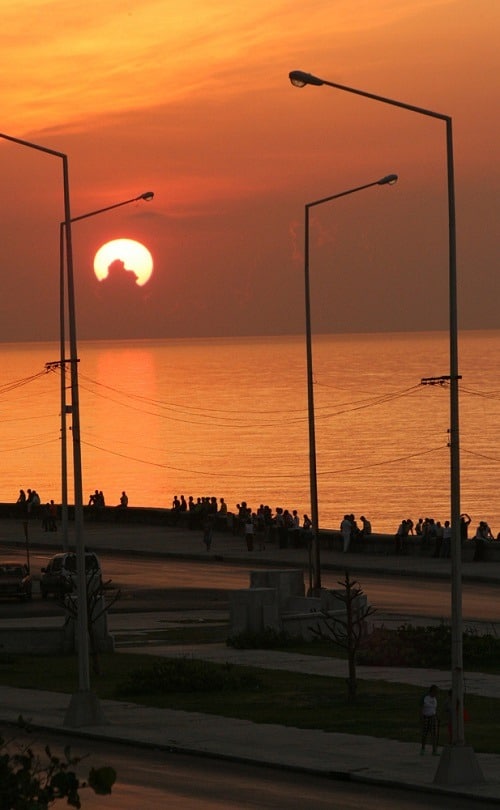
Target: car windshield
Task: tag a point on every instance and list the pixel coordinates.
(91, 563)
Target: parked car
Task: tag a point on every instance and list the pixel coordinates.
(59, 575)
(15, 580)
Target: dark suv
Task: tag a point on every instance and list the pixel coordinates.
(59, 576)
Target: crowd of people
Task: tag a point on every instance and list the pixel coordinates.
(281, 525)
(29, 507)
(286, 528)
(436, 536)
(352, 532)
(257, 526)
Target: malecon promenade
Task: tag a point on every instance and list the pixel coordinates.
(343, 756)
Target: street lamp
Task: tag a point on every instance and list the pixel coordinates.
(458, 763)
(147, 196)
(389, 179)
(84, 707)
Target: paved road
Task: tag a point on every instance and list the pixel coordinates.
(152, 779)
(166, 583)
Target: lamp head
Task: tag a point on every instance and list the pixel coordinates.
(388, 180)
(148, 195)
(299, 79)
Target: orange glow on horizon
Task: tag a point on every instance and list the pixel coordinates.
(194, 102)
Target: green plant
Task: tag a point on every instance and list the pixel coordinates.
(430, 646)
(29, 783)
(267, 639)
(169, 675)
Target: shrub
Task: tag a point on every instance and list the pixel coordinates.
(267, 639)
(28, 780)
(430, 646)
(185, 675)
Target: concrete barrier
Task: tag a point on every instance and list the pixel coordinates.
(276, 601)
(35, 640)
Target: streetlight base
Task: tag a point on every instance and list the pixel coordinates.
(84, 710)
(458, 766)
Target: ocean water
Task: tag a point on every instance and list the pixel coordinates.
(228, 418)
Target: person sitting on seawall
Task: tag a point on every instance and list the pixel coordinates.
(122, 506)
(21, 503)
(482, 536)
(366, 527)
(222, 519)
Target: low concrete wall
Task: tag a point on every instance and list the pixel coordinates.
(36, 640)
(275, 601)
(385, 544)
(253, 611)
(45, 641)
(287, 584)
(62, 639)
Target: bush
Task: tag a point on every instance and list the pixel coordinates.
(185, 675)
(30, 781)
(430, 647)
(267, 639)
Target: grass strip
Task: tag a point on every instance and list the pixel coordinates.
(270, 696)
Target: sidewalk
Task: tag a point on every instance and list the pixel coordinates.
(346, 756)
(182, 543)
(355, 757)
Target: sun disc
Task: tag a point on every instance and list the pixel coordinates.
(135, 256)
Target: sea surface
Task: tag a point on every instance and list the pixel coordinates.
(228, 418)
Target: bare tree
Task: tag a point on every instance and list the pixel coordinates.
(347, 631)
(100, 598)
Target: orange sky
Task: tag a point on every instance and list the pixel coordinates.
(192, 100)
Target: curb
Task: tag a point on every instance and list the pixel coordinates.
(335, 775)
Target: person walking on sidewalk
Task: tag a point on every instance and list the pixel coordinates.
(208, 525)
(429, 719)
(249, 530)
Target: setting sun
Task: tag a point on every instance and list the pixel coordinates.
(124, 256)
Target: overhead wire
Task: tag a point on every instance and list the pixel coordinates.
(12, 386)
(206, 413)
(239, 422)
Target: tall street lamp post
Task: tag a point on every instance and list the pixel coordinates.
(84, 707)
(458, 764)
(147, 195)
(315, 580)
